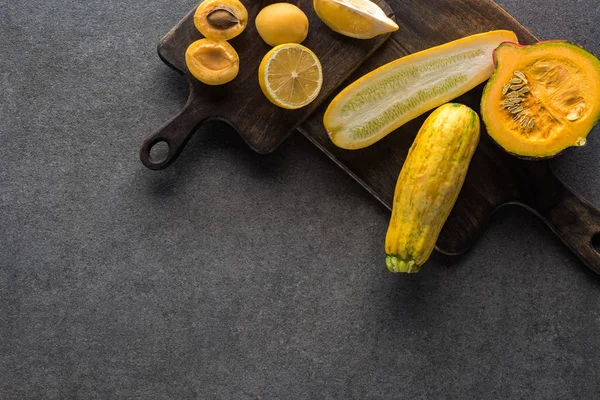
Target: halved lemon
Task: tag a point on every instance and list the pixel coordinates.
(290, 75)
(360, 19)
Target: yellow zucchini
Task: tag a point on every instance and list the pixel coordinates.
(428, 185)
(390, 96)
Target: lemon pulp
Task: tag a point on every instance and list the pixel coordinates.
(290, 76)
(361, 19)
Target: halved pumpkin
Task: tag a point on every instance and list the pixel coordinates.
(541, 98)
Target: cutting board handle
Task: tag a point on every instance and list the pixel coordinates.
(175, 134)
(575, 221)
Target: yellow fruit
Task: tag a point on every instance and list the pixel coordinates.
(213, 62)
(390, 96)
(428, 185)
(361, 19)
(221, 19)
(282, 23)
(290, 75)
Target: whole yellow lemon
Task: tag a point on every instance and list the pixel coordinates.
(282, 23)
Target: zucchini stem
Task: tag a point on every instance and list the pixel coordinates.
(396, 265)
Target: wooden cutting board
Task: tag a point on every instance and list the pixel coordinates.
(495, 178)
(241, 102)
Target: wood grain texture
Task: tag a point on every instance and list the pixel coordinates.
(495, 178)
(241, 102)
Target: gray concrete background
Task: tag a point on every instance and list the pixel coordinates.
(238, 276)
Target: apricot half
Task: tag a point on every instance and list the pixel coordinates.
(221, 19)
(213, 62)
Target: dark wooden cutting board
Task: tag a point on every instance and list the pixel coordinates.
(495, 178)
(241, 102)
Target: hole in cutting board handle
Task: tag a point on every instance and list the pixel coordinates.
(159, 152)
(596, 242)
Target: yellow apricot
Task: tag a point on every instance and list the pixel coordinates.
(282, 23)
(213, 62)
(221, 19)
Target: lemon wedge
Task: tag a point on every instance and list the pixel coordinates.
(290, 75)
(360, 19)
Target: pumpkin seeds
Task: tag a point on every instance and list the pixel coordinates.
(512, 92)
(520, 115)
(521, 76)
(574, 114)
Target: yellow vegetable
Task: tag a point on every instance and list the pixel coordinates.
(429, 184)
(282, 23)
(213, 62)
(390, 96)
(542, 98)
(221, 19)
(290, 76)
(360, 19)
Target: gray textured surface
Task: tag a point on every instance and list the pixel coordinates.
(233, 275)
